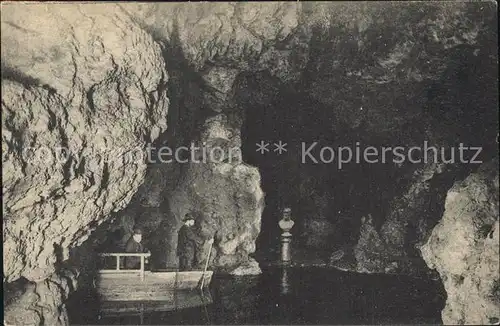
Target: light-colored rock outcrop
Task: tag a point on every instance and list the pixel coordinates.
(393, 246)
(224, 195)
(234, 35)
(87, 81)
(41, 303)
(250, 268)
(464, 249)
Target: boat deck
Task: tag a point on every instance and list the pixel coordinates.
(140, 285)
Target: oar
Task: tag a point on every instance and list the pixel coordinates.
(206, 266)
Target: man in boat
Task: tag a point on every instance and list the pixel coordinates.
(187, 243)
(134, 245)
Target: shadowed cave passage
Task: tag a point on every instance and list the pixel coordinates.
(328, 200)
(315, 191)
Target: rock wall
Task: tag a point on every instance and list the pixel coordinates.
(224, 195)
(464, 249)
(86, 84)
(241, 36)
(40, 303)
(73, 79)
(393, 246)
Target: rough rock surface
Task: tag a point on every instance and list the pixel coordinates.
(87, 81)
(378, 93)
(250, 268)
(239, 298)
(378, 85)
(224, 194)
(40, 303)
(392, 247)
(464, 249)
(241, 35)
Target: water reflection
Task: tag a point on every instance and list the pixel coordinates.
(285, 283)
(292, 295)
(139, 311)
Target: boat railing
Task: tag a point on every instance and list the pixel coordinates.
(117, 269)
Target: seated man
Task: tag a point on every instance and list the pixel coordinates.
(134, 245)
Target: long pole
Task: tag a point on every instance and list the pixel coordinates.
(206, 266)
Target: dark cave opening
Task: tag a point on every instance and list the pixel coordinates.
(297, 119)
(446, 114)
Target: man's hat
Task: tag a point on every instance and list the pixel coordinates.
(188, 217)
(137, 230)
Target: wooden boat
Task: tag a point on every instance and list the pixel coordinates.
(181, 300)
(139, 285)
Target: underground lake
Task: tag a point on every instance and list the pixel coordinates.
(289, 295)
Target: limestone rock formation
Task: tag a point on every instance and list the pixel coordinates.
(239, 297)
(41, 303)
(237, 35)
(464, 249)
(223, 193)
(392, 247)
(419, 40)
(250, 268)
(85, 84)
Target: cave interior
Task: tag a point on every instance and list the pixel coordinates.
(392, 84)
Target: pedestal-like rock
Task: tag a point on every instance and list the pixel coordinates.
(224, 195)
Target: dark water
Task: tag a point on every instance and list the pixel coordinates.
(300, 296)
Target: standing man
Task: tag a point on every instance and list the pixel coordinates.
(187, 243)
(134, 245)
